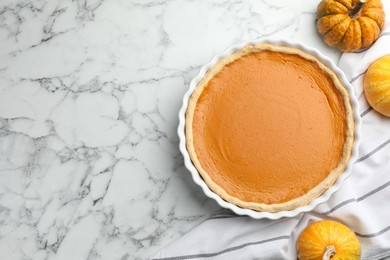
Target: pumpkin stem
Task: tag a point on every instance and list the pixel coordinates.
(356, 10)
(330, 251)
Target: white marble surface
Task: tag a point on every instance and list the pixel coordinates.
(89, 96)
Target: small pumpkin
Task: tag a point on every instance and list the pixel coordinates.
(327, 239)
(350, 25)
(377, 85)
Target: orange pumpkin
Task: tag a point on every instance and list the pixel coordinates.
(327, 239)
(377, 85)
(350, 25)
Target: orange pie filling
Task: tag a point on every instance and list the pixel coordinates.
(268, 127)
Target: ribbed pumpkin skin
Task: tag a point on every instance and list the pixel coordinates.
(313, 241)
(377, 85)
(348, 33)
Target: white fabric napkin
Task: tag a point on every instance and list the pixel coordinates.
(362, 203)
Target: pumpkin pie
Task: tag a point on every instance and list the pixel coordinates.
(269, 128)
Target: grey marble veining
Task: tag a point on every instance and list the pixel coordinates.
(89, 97)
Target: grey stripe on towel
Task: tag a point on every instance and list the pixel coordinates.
(380, 147)
(368, 194)
(227, 250)
(365, 112)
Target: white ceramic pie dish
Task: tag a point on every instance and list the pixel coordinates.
(252, 213)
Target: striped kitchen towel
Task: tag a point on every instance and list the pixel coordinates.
(363, 202)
